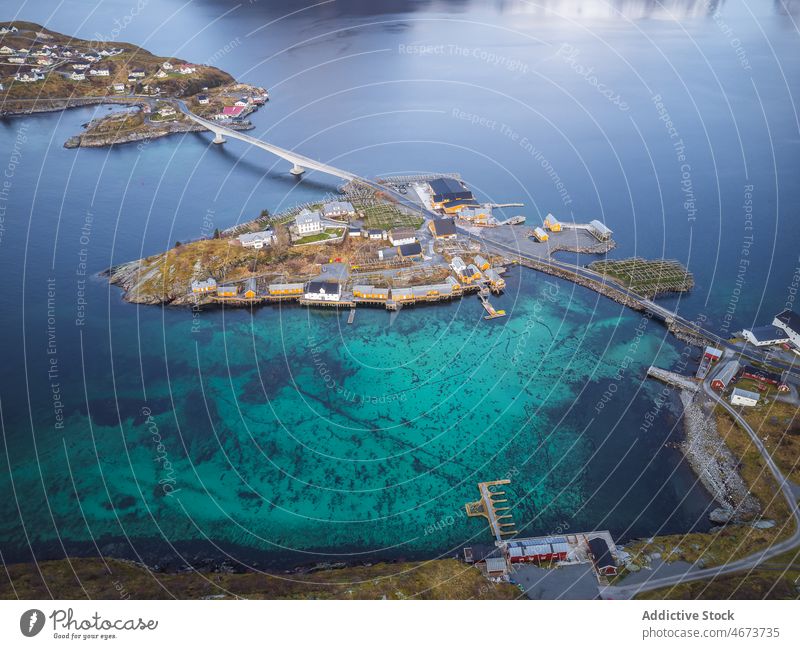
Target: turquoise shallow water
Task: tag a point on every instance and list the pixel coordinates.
(288, 435)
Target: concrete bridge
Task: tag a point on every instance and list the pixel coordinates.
(300, 162)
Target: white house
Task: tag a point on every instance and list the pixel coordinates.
(324, 291)
(402, 236)
(202, 99)
(187, 69)
(765, 336)
(458, 265)
(24, 78)
(119, 87)
(103, 72)
(204, 286)
(308, 222)
(741, 397)
(338, 209)
(6, 50)
(77, 76)
(789, 321)
(166, 65)
(161, 74)
(256, 240)
(137, 74)
(16, 59)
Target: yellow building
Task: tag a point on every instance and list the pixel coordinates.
(540, 235)
(285, 289)
(481, 263)
(369, 292)
(402, 294)
(552, 223)
(231, 290)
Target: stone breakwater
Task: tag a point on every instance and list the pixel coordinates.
(680, 331)
(714, 463)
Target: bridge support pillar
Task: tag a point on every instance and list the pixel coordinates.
(297, 170)
(218, 139)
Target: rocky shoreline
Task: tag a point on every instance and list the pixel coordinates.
(87, 140)
(714, 463)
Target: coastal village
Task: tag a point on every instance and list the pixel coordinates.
(42, 70)
(362, 247)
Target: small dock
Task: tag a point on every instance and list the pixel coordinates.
(352, 316)
(491, 312)
(671, 378)
(501, 524)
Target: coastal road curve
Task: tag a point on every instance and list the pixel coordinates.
(747, 563)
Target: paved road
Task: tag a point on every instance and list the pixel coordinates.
(747, 563)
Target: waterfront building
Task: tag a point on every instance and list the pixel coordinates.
(229, 290)
(338, 209)
(323, 291)
(726, 375)
(552, 223)
(402, 293)
(481, 263)
(369, 292)
(600, 230)
(443, 228)
(204, 285)
(537, 550)
(495, 280)
(479, 215)
(256, 240)
(765, 336)
(789, 321)
(455, 206)
(231, 112)
(445, 190)
(604, 561)
(540, 235)
(402, 236)
(250, 289)
(308, 222)
(455, 287)
(279, 290)
(746, 398)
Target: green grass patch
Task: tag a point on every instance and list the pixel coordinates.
(386, 216)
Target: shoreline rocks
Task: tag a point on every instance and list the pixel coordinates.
(714, 463)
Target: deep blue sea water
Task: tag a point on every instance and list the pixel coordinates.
(267, 457)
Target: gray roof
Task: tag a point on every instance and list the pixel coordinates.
(496, 564)
(261, 235)
(790, 319)
(738, 392)
(338, 207)
(728, 371)
(285, 287)
(318, 286)
(410, 249)
(306, 216)
(600, 227)
(444, 227)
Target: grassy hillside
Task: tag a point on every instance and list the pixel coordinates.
(112, 579)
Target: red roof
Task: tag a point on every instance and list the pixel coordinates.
(232, 111)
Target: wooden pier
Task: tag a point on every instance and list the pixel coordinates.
(671, 378)
(501, 524)
(352, 316)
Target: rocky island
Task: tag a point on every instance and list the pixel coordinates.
(42, 70)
